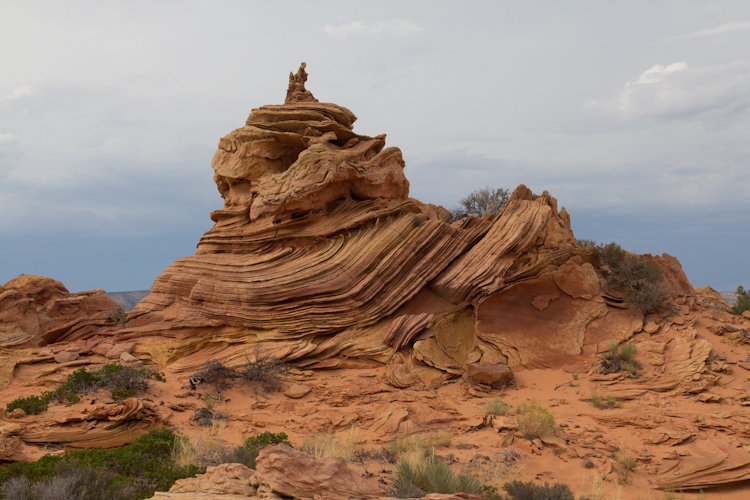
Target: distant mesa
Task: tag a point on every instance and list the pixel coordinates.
(128, 300)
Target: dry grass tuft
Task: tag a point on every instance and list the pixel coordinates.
(343, 444)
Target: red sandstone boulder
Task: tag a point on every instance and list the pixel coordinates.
(292, 473)
(494, 375)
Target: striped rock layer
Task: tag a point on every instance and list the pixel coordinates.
(320, 255)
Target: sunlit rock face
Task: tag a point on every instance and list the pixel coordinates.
(320, 255)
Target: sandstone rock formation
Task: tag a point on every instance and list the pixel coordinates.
(36, 311)
(320, 255)
(284, 473)
(711, 299)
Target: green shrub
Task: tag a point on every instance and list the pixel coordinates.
(145, 465)
(496, 406)
(743, 301)
(528, 490)
(480, 203)
(604, 402)
(267, 438)
(619, 357)
(642, 281)
(249, 451)
(430, 475)
(123, 382)
(33, 405)
(533, 420)
(585, 243)
(628, 463)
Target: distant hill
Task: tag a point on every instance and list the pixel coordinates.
(730, 297)
(128, 300)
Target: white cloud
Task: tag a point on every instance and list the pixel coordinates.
(720, 30)
(715, 95)
(8, 138)
(395, 27)
(18, 92)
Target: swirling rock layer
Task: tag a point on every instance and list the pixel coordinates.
(320, 255)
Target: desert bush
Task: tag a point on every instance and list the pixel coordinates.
(248, 452)
(528, 490)
(402, 445)
(581, 242)
(215, 372)
(642, 281)
(496, 406)
(74, 481)
(743, 301)
(33, 405)
(425, 474)
(628, 463)
(264, 368)
(480, 203)
(342, 445)
(620, 357)
(267, 438)
(16, 488)
(140, 467)
(605, 402)
(122, 381)
(533, 420)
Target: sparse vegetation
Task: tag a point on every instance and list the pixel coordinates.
(493, 472)
(422, 474)
(533, 420)
(343, 444)
(33, 405)
(528, 490)
(496, 406)
(582, 242)
(122, 381)
(72, 482)
(264, 368)
(216, 373)
(605, 402)
(620, 357)
(210, 451)
(642, 281)
(418, 442)
(743, 301)
(133, 471)
(628, 463)
(480, 203)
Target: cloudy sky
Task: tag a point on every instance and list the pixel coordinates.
(633, 114)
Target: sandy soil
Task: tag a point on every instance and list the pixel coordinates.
(343, 399)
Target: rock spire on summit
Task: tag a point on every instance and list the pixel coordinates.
(296, 91)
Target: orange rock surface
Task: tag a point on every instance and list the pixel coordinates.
(320, 255)
(396, 323)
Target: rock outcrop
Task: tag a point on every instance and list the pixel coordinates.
(36, 311)
(711, 299)
(320, 255)
(284, 473)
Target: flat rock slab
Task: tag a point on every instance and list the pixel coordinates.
(296, 391)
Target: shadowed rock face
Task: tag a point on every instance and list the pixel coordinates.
(320, 255)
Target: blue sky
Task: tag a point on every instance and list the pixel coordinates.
(634, 115)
